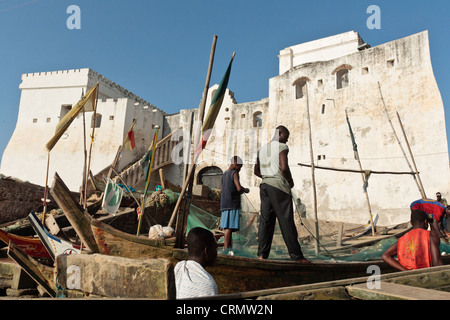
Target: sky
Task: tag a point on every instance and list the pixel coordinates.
(159, 49)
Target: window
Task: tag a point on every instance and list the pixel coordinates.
(257, 119)
(211, 177)
(320, 83)
(300, 89)
(390, 63)
(111, 117)
(342, 78)
(323, 108)
(96, 121)
(65, 108)
(365, 70)
(48, 119)
(34, 120)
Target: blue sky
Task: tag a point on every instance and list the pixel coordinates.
(160, 49)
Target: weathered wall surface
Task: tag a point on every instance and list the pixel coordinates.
(403, 69)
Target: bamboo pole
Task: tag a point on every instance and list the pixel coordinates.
(355, 150)
(200, 118)
(354, 171)
(142, 207)
(398, 141)
(83, 182)
(316, 221)
(411, 154)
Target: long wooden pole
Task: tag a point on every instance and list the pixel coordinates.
(398, 141)
(90, 148)
(411, 154)
(200, 118)
(354, 171)
(142, 207)
(363, 180)
(313, 177)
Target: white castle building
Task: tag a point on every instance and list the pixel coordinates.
(331, 76)
(46, 97)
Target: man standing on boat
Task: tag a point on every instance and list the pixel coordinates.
(230, 201)
(417, 249)
(275, 193)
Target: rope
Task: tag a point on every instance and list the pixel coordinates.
(312, 235)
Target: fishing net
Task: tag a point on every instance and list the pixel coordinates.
(245, 241)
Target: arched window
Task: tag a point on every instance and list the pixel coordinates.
(342, 75)
(342, 78)
(300, 87)
(210, 177)
(257, 119)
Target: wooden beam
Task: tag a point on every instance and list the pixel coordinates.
(394, 291)
(30, 267)
(78, 218)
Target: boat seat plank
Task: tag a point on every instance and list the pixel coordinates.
(393, 291)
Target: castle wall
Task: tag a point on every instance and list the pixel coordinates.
(43, 100)
(403, 69)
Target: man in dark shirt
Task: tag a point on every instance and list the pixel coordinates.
(230, 201)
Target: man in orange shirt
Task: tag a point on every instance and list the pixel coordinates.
(417, 249)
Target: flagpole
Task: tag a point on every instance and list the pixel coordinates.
(200, 118)
(83, 183)
(90, 149)
(142, 207)
(355, 151)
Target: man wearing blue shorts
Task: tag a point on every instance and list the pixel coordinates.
(230, 201)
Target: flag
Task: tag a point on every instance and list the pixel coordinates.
(112, 197)
(87, 103)
(355, 146)
(129, 142)
(146, 161)
(214, 109)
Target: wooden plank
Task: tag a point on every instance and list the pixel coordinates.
(403, 277)
(78, 218)
(393, 291)
(32, 268)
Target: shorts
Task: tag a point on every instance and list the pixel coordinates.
(230, 219)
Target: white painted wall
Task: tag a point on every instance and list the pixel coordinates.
(43, 95)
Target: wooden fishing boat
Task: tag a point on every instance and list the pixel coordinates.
(103, 238)
(30, 245)
(114, 242)
(231, 273)
(238, 274)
